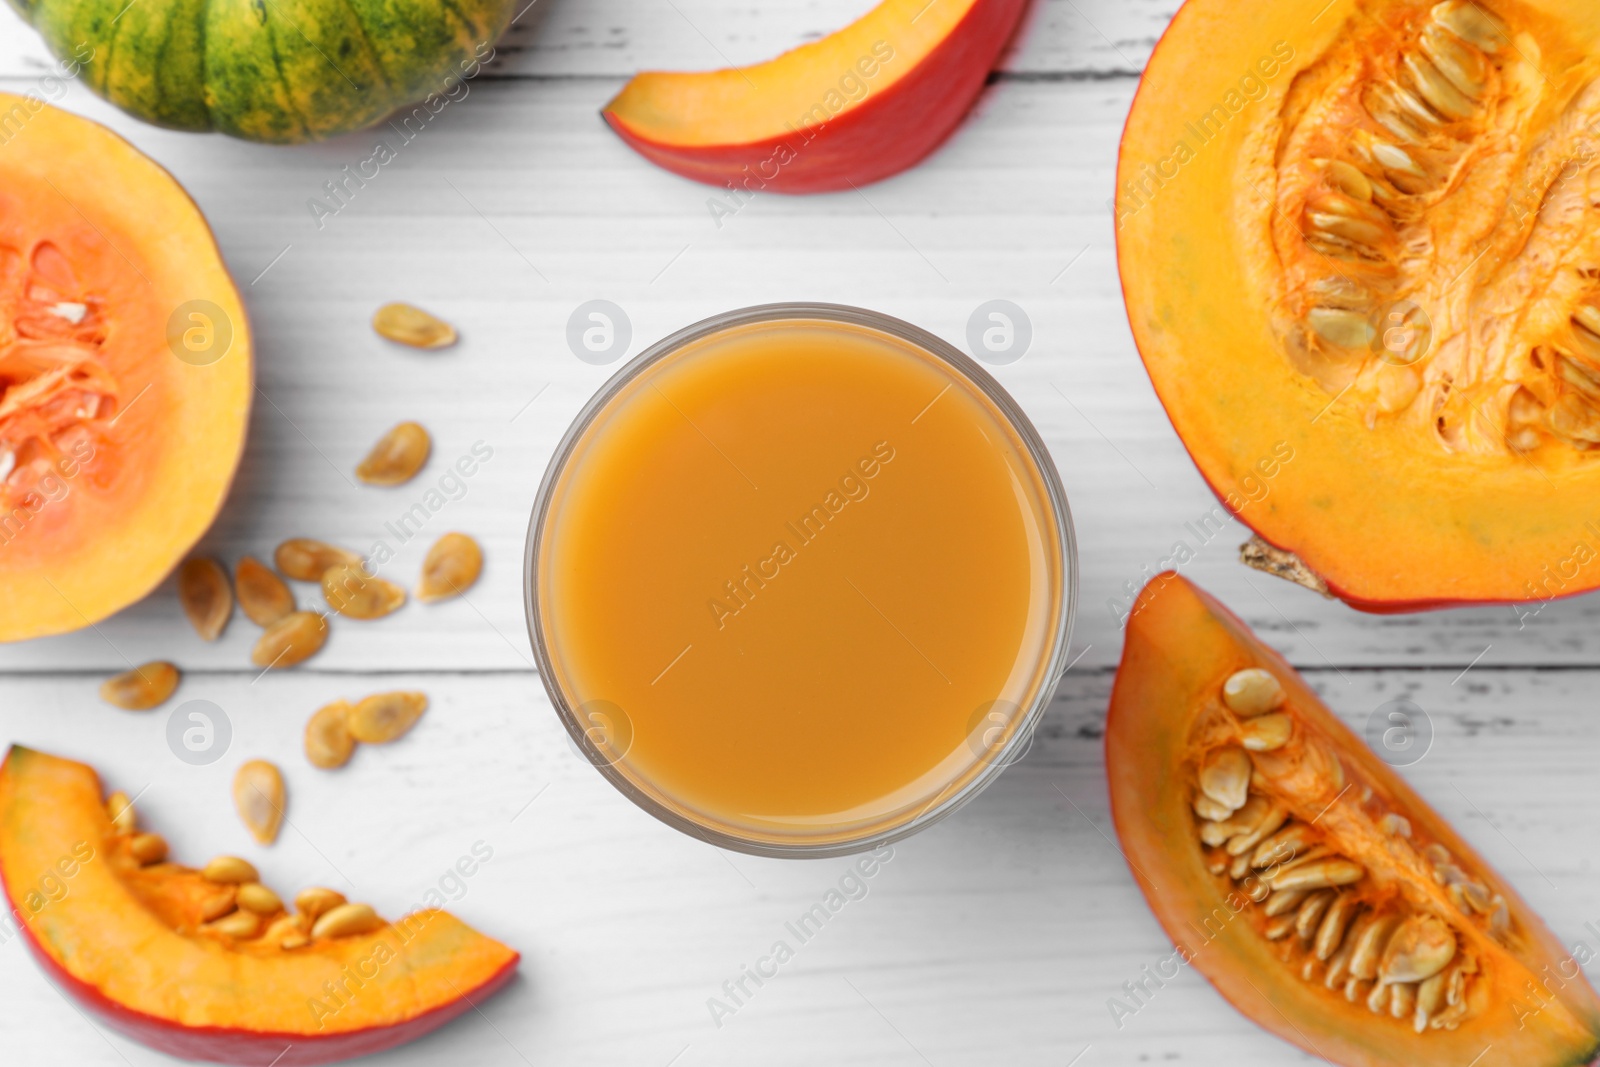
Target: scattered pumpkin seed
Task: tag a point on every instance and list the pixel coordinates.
(397, 457)
(258, 794)
(229, 870)
(356, 594)
(141, 688)
(263, 596)
(451, 566)
(315, 900)
(307, 560)
(328, 741)
(383, 717)
(410, 325)
(205, 596)
(292, 639)
(346, 920)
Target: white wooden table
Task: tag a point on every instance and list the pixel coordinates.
(995, 938)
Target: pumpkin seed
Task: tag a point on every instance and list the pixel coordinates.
(409, 325)
(1252, 691)
(1371, 934)
(1472, 24)
(239, 925)
(258, 794)
(229, 870)
(308, 560)
(292, 639)
(253, 896)
(1348, 180)
(1319, 875)
(1225, 776)
(205, 596)
(288, 932)
(1358, 231)
(451, 566)
(148, 848)
(1311, 911)
(1439, 91)
(315, 900)
(1338, 969)
(1464, 65)
(1430, 998)
(1243, 844)
(263, 596)
(1209, 809)
(142, 688)
(1421, 947)
(346, 920)
(119, 809)
(223, 902)
(1242, 821)
(1340, 327)
(356, 594)
(1284, 900)
(397, 457)
(1279, 928)
(1239, 867)
(1267, 733)
(1281, 846)
(385, 716)
(328, 740)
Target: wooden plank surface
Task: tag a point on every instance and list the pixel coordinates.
(997, 937)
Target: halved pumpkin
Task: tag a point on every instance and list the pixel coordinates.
(859, 105)
(1302, 876)
(191, 963)
(1368, 239)
(125, 372)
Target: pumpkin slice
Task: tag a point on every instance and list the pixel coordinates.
(125, 372)
(1304, 878)
(208, 965)
(1368, 239)
(859, 105)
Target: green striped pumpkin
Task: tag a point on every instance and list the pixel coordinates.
(281, 71)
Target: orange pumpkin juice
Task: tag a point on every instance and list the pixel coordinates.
(797, 579)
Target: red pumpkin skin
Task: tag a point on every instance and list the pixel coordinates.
(248, 1048)
(888, 133)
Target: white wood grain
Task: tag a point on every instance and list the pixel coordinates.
(615, 38)
(996, 937)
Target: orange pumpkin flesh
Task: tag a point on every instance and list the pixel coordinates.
(857, 106)
(115, 454)
(1524, 1001)
(128, 942)
(1332, 249)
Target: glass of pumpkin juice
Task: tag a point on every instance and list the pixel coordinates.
(800, 579)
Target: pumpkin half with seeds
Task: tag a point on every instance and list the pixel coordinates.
(125, 372)
(1304, 878)
(1366, 236)
(209, 963)
(282, 71)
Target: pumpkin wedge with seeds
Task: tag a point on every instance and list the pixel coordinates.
(1302, 876)
(209, 963)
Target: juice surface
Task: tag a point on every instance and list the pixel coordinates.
(793, 566)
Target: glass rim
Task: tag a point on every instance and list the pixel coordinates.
(946, 801)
